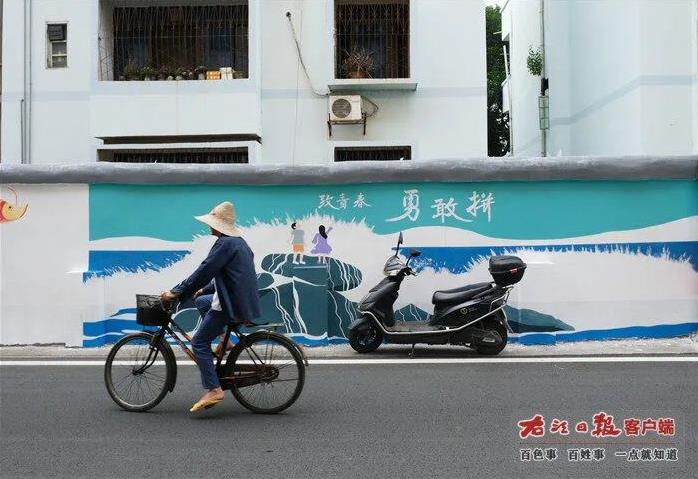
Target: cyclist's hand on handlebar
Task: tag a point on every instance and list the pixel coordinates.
(167, 296)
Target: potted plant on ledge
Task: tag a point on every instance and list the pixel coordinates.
(358, 63)
(149, 73)
(200, 72)
(132, 72)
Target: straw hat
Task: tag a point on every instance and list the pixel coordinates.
(221, 218)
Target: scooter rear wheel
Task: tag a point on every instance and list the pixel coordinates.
(496, 327)
(366, 340)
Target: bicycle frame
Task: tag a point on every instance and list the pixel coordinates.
(249, 373)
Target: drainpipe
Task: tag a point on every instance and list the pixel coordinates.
(27, 98)
(511, 120)
(543, 89)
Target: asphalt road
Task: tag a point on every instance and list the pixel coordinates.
(422, 420)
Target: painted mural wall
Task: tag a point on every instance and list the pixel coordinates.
(606, 259)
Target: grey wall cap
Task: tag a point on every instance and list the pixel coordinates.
(451, 170)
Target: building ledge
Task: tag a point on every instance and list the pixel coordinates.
(359, 84)
(451, 170)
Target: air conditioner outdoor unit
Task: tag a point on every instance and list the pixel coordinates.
(345, 108)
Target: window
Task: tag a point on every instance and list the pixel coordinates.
(189, 155)
(166, 42)
(372, 38)
(57, 45)
(372, 153)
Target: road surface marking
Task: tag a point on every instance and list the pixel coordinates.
(350, 362)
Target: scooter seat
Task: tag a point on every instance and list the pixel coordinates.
(459, 295)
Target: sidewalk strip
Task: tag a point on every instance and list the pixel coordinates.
(379, 361)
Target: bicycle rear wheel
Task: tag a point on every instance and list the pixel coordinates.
(266, 372)
(137, 372)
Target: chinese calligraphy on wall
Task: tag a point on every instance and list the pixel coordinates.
(342, 201)
(442, 209)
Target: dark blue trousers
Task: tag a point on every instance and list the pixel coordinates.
(212, 325)
(203, 303)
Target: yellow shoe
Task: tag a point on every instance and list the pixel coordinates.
(204, 404)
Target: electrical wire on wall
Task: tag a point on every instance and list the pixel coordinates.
(295, 109)
(300, 55)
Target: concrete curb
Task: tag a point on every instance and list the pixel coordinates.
(682, 346)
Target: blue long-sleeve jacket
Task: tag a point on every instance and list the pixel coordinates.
(230, 264)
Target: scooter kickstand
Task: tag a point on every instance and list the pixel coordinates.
(412, 352)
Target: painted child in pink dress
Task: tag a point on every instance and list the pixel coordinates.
(322, 248)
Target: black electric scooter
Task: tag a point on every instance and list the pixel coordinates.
(471, 315)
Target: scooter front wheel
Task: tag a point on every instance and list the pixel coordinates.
(366, 339)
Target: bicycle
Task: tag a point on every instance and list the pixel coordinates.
(141, 368)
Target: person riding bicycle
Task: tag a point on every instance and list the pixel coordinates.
(229, 266)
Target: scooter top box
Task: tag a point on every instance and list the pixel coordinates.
(507, 270)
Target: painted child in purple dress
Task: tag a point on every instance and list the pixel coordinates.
(322, 248)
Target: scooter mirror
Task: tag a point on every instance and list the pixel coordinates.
(399, 242)
(414, 253)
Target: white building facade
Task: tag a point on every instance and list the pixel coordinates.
(118, 80)
(623, 76)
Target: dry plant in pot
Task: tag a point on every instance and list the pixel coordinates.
(358, 63)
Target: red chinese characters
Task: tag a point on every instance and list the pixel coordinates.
(649, 424)
(532, 427)
(558, 426)
(631, 426)
(666, 426)
(604, 426)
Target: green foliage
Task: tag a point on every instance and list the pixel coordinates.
(132, 72)
(534, 62)
(497, 121)
(149, 72)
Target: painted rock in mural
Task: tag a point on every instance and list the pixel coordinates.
(411, 313)
(264, 280)
(341, 276)
(343, 313)
(530, 321)
(310, 303)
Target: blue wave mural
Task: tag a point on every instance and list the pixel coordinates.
(459, 259)
(660, 331)
(106, 263)
(117, 330)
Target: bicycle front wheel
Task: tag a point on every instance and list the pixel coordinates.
(137, 372)
(266, 372)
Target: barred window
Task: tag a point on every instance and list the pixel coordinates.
(188, 155)
(372, 153)
(372, 38)
(57, 45)
(157, 42)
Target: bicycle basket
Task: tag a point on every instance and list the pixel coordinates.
(150, 311)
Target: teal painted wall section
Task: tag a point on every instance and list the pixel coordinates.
(520, 210)
(607, 259)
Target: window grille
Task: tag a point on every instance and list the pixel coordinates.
(57, 45)
(190, 155)
(372, 153)
(170, 41)
(379, 27)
